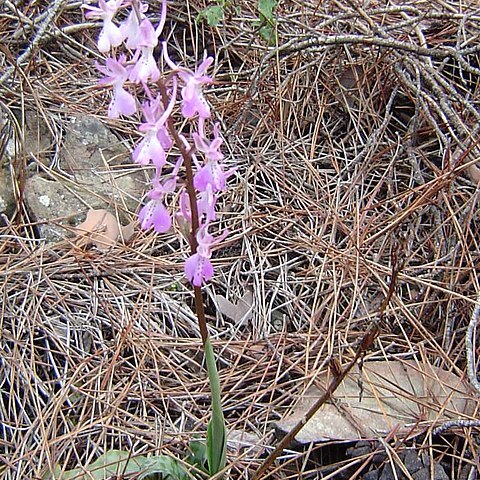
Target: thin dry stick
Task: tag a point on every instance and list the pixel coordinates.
(38, 40)
(472, 374)
(365, 344)
(463, 423)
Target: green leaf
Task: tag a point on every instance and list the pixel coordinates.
(122, 464)
(268, 33)
(216, 444)
(165, 465)
(216, 432)
(266, 8)
(267, 21)
(212, 14)
(198, 455)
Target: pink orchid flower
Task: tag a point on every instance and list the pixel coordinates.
(154, 213)
(193, 101)
(145, 68)
(157, 139)
(130, 28)
(116, 74)
(205, 207)
(110, 35)
(211, 173)
(198, 267)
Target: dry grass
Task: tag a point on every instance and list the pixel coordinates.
(354, 145)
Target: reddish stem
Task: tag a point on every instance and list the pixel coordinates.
(192, 195)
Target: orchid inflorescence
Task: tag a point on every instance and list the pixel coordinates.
(140, 38)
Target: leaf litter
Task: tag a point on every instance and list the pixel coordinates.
(405, 397)
(103, 230)
(342, 136)
(239, 312)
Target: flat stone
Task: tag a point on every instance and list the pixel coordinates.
(388, 474)
(412, 461)
(89, 146)
(425, 474)
(95, 172)
(53, 206)
(7, 198)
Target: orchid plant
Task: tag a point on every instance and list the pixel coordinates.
(200, 154)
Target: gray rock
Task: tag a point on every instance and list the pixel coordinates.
(24, 138)
(387, 473)
(412, 461)
(96, 161)
(53, 206)
(37, 137)
(89, 148)
(7, 198)
(363, 447)
(424, 473)
(93, 173)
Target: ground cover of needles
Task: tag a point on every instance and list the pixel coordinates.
(355, 137)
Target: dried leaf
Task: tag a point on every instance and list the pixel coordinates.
(239, 439)
(474, 172)
(351, 77)
(350, 82)
(240, 311)
(102, 229)
(382, 397)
